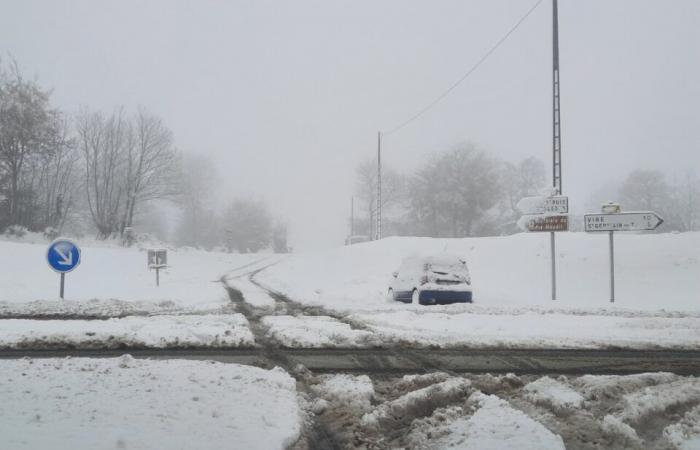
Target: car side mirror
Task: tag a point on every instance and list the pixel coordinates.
(395, 274)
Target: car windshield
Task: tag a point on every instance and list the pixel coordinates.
(446, 264)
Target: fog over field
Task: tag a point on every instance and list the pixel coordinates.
(287, 97)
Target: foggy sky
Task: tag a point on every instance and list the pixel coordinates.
(288, 96)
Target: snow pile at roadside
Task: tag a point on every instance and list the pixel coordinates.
(655, 400)
(316, 332)
(685, 435)
(653, 271)
(549, 392)
(105, 273)
(154, 331)
(112, 403)
(388, 414)
(495, 425)
(533, 330)
(354, 392)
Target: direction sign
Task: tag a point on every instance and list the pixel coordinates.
(63, 255)
(544, 223)
(626, 221)
(557, 204)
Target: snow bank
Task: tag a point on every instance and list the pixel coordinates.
(154, 331)
(417, 403)
(354, 392)
(658, 399)
(685, 435)
(316, 332)
(126, 403)
(533, 330)
(549, 392)
(191, 281)
(494, 426)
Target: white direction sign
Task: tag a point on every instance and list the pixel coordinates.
(558, 204)
(627, 221)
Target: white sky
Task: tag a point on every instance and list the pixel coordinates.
(288, 96)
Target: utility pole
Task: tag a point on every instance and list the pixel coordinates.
(352, 216)
(556, 132)
(379, 185)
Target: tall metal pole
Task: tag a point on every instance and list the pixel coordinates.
(379, 185)
(352, 216)
(556, 133)
(612, 269)
(63, 283)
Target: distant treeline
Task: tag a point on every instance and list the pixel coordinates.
(465, 192)
(100, 173)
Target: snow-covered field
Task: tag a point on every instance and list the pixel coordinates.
(110, 276)
(121, 402)
(658, 293)
(653, 271)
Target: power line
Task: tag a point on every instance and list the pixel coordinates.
(466, 75)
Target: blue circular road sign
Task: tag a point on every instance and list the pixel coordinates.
(63, 255)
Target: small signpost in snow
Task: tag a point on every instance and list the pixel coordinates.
(63, 256)
(545, 214)
(613, 219)
(157, 259)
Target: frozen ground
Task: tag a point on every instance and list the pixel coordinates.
(139, 404)
(135, 331)
(114, 278)
(658, 285)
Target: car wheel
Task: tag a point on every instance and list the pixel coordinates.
(390, 297)
(415, 297)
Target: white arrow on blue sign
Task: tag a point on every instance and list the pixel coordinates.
(63, 255)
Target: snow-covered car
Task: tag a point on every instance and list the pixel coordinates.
(430, 280)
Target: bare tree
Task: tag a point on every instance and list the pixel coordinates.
(247, 226)
(25, 128)
(58, 186)
(102, 141)
(150, 166)
(453, 192)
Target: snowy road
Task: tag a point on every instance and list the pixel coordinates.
(392, 361)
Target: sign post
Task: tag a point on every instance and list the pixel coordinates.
(545, 214)
(613, 219)
(157, 259)
(63, 256)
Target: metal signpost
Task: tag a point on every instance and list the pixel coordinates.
(63, 256)
(157, 259)
(545, 214)
(611, 220)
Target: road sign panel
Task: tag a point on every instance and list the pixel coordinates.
(535, 223)
(63, 255)
(626, 221)
(557, 204)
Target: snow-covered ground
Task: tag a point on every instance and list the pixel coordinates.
(121, 402)
(114, 278)
(653, 271)
(135, 331)
(657, 275)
